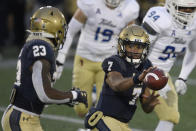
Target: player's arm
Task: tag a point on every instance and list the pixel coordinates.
(74, 27)
(42, 83)
(149, 101)
(119, 83)
(154, 23)
(188, 65)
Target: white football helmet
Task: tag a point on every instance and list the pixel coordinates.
(180, 17)
(112, 3)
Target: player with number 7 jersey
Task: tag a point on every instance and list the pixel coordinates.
(99, 21)
(172, 31)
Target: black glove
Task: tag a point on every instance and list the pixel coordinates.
(81, 98)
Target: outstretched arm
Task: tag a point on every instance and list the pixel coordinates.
(74, 27)
(119, 83)
(188, 65)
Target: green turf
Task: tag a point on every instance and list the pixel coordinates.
(141, 120)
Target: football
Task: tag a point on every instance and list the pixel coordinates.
(156, 79)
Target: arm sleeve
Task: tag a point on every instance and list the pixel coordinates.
(155, 22)
(189, 63)
(74, 27)
(38, 85)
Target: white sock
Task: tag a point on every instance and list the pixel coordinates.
(164, 126)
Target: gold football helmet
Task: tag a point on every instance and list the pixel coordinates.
(136, 38)
(49, 22)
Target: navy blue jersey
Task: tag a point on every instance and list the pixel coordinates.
(120, 105)
(26, 97)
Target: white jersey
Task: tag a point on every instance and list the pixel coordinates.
(170, 39)
(98, 38)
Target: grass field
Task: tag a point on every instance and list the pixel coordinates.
(187, 105)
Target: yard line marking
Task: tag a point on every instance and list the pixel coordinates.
(56, 117)
(62, 118)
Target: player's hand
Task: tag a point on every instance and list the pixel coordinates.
(180, 86)
(152, 100)
(59, 65)
(59, 70)
(163, 92)
(81, 97)
(143, 74)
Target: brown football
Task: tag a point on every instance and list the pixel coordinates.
(156, 79)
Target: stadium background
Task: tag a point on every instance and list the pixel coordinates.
(63, 118)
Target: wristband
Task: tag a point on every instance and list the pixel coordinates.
(182, 79)
(58, 63)
(136, 79)
(75, 95)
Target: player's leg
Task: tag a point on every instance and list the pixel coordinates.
(5, 119)
(16, 120)
(167, 110)
(30, 123)
(115, 125)
(83, 78)
(99, 78)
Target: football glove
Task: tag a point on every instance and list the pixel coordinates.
(59, 65)
(81, 97)
(163, 91)
(180, 86)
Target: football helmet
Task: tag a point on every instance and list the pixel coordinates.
(133, 36)
(176, 7)
(112, 3)
(50, 23)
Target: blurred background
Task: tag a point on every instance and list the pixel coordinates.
(15, 19)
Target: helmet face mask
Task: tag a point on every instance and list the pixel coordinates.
(182, 11)
(133, 44)
(50, 23)
(112, 3)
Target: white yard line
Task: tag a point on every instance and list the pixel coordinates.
(62, 118)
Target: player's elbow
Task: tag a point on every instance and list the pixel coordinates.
(43, 98)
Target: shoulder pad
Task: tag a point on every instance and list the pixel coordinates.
(39, 49)
(86, 6)
(158, 19)
(113, 63)
(131, 9)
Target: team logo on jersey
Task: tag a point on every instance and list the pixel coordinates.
(189, 33)
(98, 11)
(179, 41)
(173, 33)
(107, 22)
(120, 14)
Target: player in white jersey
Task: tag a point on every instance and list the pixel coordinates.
(172, 30)
(100, 21)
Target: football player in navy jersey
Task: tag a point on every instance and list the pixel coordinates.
(36, 65)
(123, 83)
